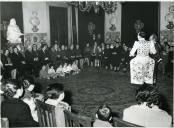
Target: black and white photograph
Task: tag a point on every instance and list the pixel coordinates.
(86, 63)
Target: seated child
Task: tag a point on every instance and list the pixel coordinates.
(67, 68)
(75, 68)
(59, 71)
(103, 117)
(52, 72)
(43, 74)
(54, 95)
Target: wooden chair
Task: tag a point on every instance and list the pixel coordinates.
(73, 120)
(4, 123)
(121, 123)
(46, 114)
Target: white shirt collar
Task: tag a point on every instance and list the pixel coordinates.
(51, 102)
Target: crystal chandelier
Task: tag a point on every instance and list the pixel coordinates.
(85, 6)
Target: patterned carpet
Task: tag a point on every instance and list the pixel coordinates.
(92, 87)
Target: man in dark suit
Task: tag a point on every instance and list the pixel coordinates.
(43, 55)
(13, 108)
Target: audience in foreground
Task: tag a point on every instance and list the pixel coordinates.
(103, 117)
(28, 96)
(13, 108)
(54, 96)
(147, 112)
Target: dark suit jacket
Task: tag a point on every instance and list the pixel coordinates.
(42, 55)
(18, 113)
(17, 60)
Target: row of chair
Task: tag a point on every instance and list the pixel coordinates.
(46, 116)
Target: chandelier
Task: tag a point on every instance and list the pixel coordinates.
(85, 6)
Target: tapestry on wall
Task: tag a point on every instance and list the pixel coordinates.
(111, 37)
(35, 38)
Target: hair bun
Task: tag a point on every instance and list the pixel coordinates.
(26, 83)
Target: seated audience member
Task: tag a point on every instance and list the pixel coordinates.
(106, 56)
(66, 53)
(147, 112)
(7, 67)
(52, 72)
(157, 56)
(28, 98)
(87, 53)
(43, 55)
(103, 117)
(164, 56)
(13, 108)
(54, 51)
(29, 59)
(75, 68)
(125, 59)
(36, 64)
(63, 54)
(43, 74)
(169, 65)
(98, 54)
(54, 95)
(18, 61)
(71, 53)
(78, 56)
(93, 54)
(68, 69)
(102, 54)
(2, 88)
(59, 71)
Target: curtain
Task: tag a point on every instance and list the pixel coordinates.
(84, 18)
(58, 25)
(77, 27)
(70, 27)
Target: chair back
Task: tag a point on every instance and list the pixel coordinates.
(4, 123)
(74, 120)
(121, 123)
(46, 114)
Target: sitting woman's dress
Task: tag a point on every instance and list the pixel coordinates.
(149, 117)
(142, 66)
(59, 111)
(32, 105)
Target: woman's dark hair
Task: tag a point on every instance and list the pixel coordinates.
(149, 94)
(33, 46)
(10, 91)
(43, 45)
(53, 91)
(104, 112)
(142, 34)
(27, 81)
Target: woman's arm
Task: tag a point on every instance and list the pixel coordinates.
(134, 49)
(152, 48)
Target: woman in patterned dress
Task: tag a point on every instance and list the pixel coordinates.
(142, 66)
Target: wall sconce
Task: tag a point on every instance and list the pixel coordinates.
(170, 18)
(34, 21)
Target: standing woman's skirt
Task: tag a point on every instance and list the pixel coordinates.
(141, 70)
